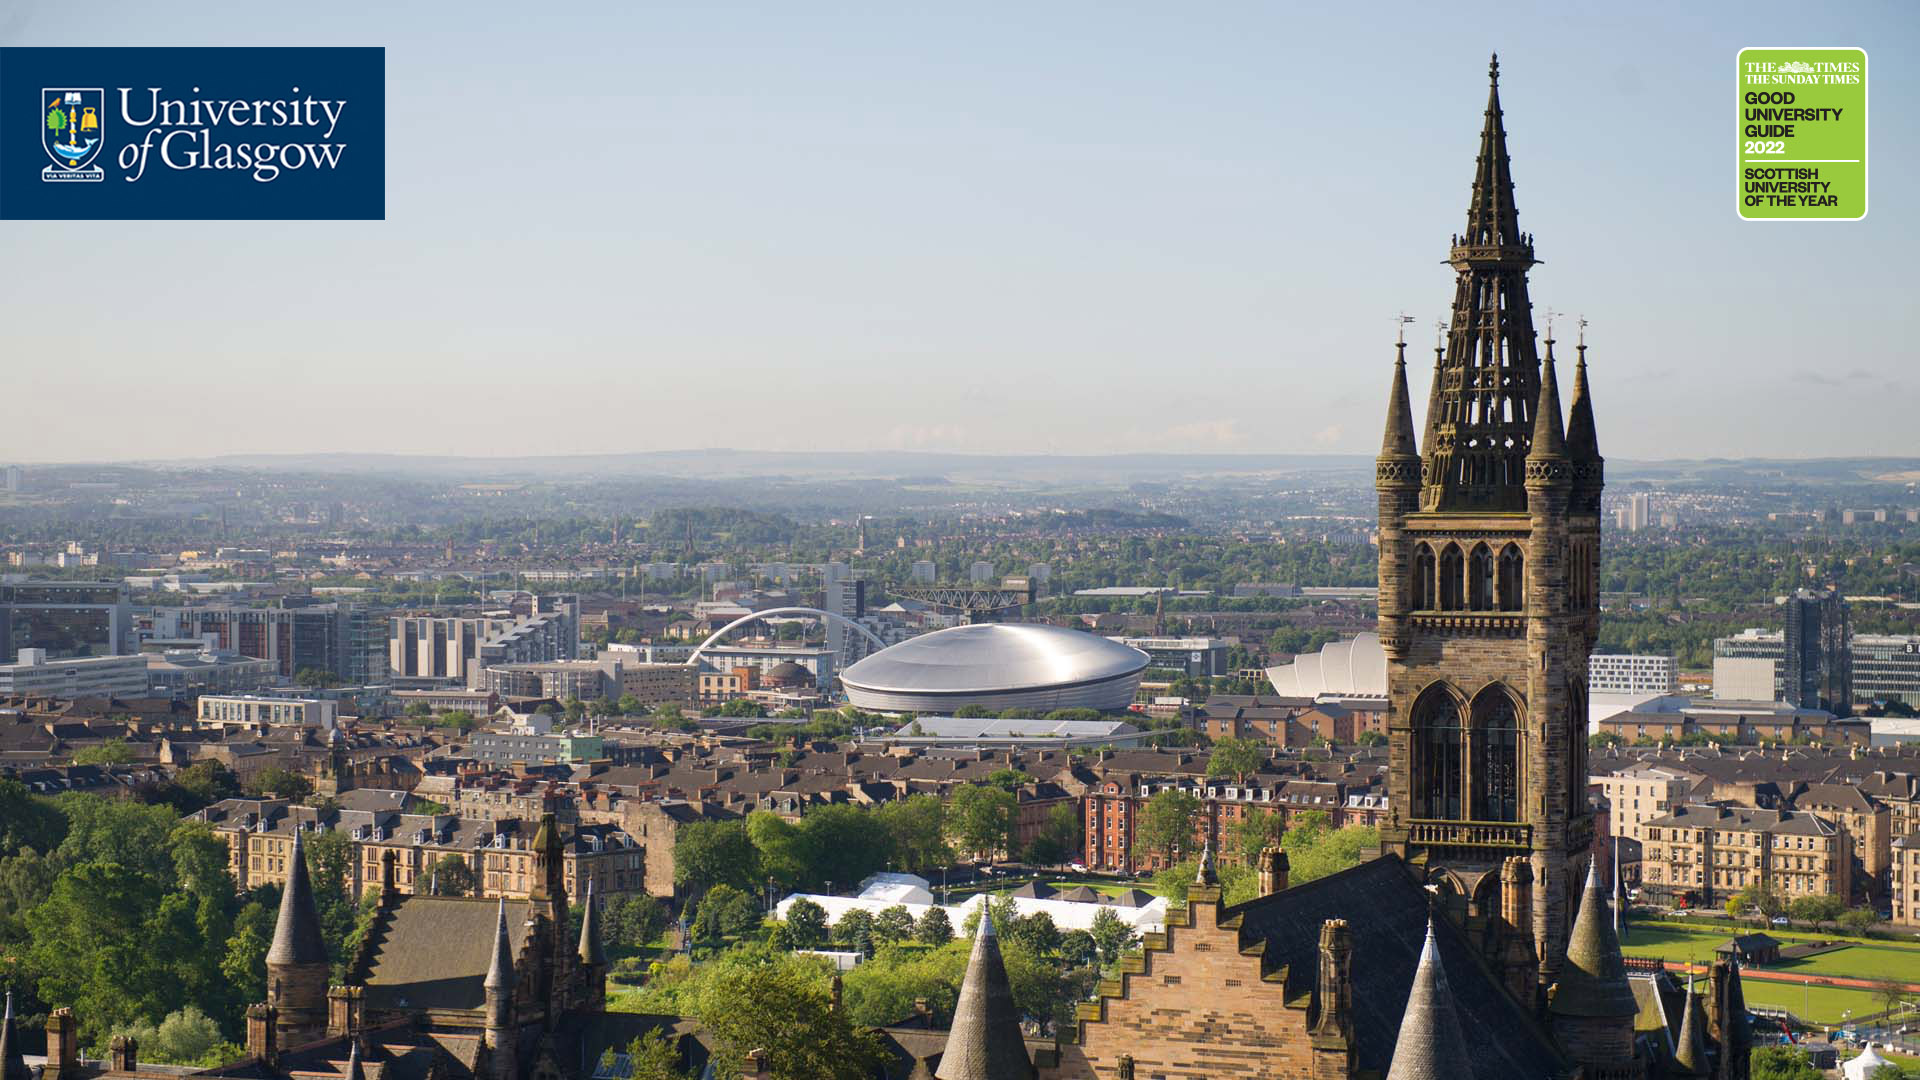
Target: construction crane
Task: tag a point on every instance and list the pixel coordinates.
(979, 603)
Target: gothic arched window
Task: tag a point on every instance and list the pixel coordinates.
(1451, 578)
(1422, 578)
(1436, 756)
(1496, 756)
(1577, 747)
(1480, 578)
(1512, 576)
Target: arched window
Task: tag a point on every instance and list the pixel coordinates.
(1422, 578)
(1480, 579)
(1450, 578)
(1496, 757)
(1512, 575)
(1436, 756)
(1577, 745)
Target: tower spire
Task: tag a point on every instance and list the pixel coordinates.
(1689, 1047)
(985, 1042)
(1480, 416)
(296, 934)
(500, 971)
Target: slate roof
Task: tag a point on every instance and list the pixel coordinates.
(433, 952)
(1387, 911)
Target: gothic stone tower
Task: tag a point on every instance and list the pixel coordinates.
(1489, 564)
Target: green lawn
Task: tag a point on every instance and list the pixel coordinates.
(1861, 961)
(1812, 1004)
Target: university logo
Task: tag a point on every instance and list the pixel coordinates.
(73, 129)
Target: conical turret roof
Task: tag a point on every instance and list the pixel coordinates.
(1593, 981)
(1398, 441)
(1690, 1047)
(1430, 1045)
(13, 1063)
(1583, 443)
(985, 1043)
(1549, 434)
(592, 952)
(500, 971)
(296, 935)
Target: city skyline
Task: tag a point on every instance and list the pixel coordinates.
(879, 233)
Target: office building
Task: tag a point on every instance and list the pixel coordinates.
(426, 647)
(181, 672)
(1818, 668)
(1746, 678)
(65, 619)
(35, 674)
(1190, 655)
(1627, 673)
(1886, 668)
(249, 711)
(345, 640)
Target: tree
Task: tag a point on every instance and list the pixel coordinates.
(782, 1009)
(854, 931)
(1889, 992)
(935, 928)
(1058, 838)
(205, 783)
(1008, 779)
(1315, 849)
(805, 926)
(629, 705)
(709, 853)
(280, 783)
(743, 707)
(1768, 903)
(1078, 949)
(450, 875)
(631, 922)
(1251, 834)
(892, 925)
(1111, 935)
(105, 752)
(187, 1036)
(419, 710)
(1372, 738)
(653, 1056)
(1036, 932)
(982, 819)
(780, 847)
(723, 913)
(1781, 1063)
(1816, 908)
(1857, 921)
(1235, 758)
(916, 828)
(1166, 824)
(315, 678)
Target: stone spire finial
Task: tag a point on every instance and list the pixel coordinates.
(1430, 1045)
(354, 1071)
(1206, 875)
(1398, 441)
(1549, 434)
(1593, 981)
(1583, 441)
(13, 1064)
(297, 939)
(985, 1042)
(592, 952)
(500, 972)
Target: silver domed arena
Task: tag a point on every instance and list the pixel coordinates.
(997, 666)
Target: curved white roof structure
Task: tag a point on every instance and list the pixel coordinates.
(999, 666)
(1356, 668)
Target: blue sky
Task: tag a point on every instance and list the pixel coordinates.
(1063, 227)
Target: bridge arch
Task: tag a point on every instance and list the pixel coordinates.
(758, 615)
